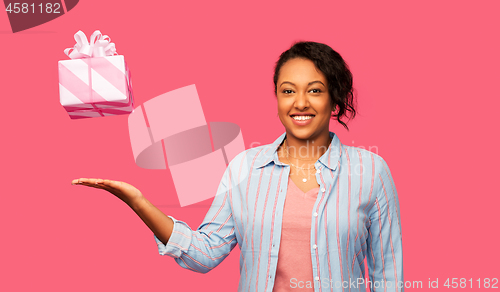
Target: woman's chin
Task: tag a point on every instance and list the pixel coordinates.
(301, 134)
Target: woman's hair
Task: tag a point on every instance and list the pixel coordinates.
(336, 71)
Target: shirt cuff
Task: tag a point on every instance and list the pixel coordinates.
(179, 240)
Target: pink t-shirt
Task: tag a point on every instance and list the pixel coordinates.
(294, 271)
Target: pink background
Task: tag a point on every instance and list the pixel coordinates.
(426, 75)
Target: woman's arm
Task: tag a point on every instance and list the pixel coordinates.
(203, 249)
(198, 250)
(384, 242)
(156, 220)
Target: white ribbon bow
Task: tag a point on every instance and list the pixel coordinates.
(99, 46)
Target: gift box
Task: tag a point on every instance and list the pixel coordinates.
(96, 82)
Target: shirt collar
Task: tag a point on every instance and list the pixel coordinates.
(329, 159)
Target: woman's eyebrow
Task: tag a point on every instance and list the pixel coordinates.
(312, 82)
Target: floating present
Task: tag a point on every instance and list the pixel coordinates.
(96, 81)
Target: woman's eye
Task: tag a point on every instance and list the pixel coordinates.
(289, 91)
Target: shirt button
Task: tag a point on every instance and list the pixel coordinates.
(317, 278)
(318, 171)
(323, 190)
(315, 214)
(315, 246)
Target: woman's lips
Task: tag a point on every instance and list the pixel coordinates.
(302, 122)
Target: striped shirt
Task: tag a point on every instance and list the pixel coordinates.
(355, 216)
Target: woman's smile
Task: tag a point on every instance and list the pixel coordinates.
(302, 119)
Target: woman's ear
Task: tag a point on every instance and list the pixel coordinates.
(334, 109)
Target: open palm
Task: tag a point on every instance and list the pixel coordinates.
(124, 191)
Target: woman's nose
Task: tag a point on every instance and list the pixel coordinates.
(301, 101)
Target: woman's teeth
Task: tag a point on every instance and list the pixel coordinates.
(302, 118)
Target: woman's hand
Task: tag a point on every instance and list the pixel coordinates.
(124, 191)
(161, 225)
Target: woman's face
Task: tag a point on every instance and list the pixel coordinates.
(304, 105)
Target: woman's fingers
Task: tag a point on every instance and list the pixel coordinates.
(93, 185)
(106, 184)
(84, 180)
(122, 190)
(90, 181)
(110, 183)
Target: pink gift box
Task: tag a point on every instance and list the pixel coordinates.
(96, 81)
(95, 87)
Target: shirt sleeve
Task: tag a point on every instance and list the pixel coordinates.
(385, 246)
(203, 249)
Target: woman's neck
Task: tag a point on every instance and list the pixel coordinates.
(310, 149)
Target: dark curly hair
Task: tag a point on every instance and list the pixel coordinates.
(336, 71)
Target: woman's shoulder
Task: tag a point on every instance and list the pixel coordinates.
(241, 166)
(367, 157)
(253, 156)
(260, 151)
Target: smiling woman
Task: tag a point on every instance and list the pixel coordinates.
(303, 209)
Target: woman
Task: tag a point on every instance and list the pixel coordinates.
(305, 210)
